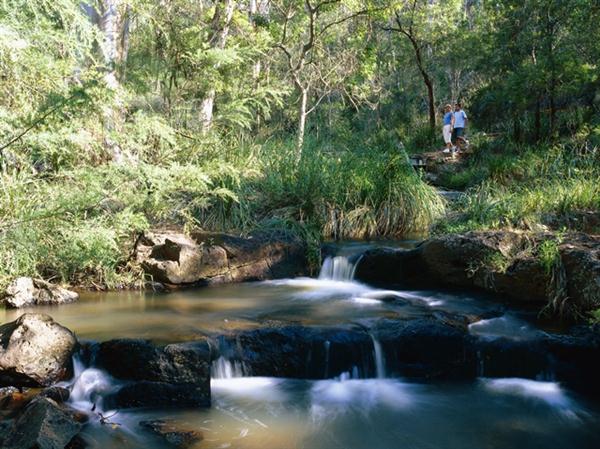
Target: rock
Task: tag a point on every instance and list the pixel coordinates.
(575, 359)
(581, 261)
(174, 258)
(35, 351)
(505, 357)
(169, 432)
(25, 292)
(57, 394)
(176, 375)
(134, 359)
(502, 262)
(426, 348)
(300, 352)
(159, 395)
(43, 425)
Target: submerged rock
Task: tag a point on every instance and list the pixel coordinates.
(211, 258)
(43, 425)
(177, 375)
(172, 434)
(35, 351)
(26, 292)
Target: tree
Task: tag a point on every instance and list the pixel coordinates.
(305, 27)
(220, 24)
(426, 24)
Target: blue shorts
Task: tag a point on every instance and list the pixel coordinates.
(457, 132)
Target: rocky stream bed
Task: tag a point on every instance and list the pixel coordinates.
(387, 347)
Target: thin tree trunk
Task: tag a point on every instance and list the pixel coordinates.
(219, 40)
(109, 25)
(538, 119)
(426, 79)
(302, 120)
(257, 65)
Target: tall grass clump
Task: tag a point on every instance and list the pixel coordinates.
(343, 192)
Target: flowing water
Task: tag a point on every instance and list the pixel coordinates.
(345, 412)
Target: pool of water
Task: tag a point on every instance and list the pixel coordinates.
(264, 413)
(187, 314)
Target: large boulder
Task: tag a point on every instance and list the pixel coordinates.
(503, 262)
(177, 375)
(35, 351)
(43, 425)
(26, 292)
(175, 258)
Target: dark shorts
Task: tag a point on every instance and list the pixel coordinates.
(457, 132)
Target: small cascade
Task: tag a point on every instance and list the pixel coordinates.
(338, 268)
(379, 358)
(223, 368)
(88, 386)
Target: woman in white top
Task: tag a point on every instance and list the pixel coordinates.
(447, 128)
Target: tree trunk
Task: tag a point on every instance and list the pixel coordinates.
(302, 120)
(426, 79)
(220, 24)
(109, 25)
(206, 110)
(538, 119)
(252, 9)
(431, 102)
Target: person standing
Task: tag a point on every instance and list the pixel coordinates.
(460, 123)
(447, 127)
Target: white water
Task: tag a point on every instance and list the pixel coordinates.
(379, 358)
(337, 268)
(549, 392)
(88, 386)
(226, 369)
(505, 326)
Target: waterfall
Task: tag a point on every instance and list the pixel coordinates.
(223, 368)
(88, 386)
(338, 268)
(379, 358)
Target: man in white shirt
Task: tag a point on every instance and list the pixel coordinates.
(460, 123)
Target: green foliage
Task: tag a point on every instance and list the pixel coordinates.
(549, 255)
(80, 225)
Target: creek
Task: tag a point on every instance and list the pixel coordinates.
(350, 410)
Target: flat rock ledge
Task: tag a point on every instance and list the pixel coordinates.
(27, 292)
(203, 258)
(507, 263)
(176, 375)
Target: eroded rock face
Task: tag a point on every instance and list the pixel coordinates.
(211, 258)
(35, 351)
(419, 348)
(26, 292)
(502, 262)
(177, 375)
(43, 425)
